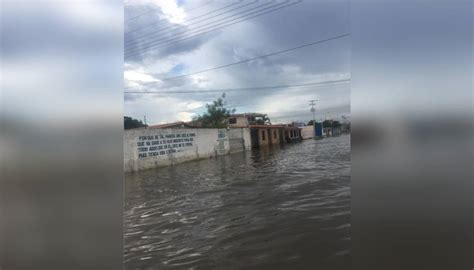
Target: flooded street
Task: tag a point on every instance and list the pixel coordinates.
(279, 207)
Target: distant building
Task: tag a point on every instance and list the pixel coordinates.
(308, 132)
(327, 131)
(247, 119)
(331, 128)
(179, 124)
(346, 127)
(292, 133)
(266, 134)
(262, 132)
(319, 130)
(298, 124)
(261, 135)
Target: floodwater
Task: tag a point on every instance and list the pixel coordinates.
(278, 207)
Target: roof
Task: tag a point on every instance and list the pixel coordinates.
(272, 126)
(247, 114)
(171, 125)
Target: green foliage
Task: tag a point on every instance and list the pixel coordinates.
(331, 123)
(216, 116)
(263, 120)
(129, 123)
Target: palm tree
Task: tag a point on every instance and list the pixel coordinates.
(263, 120)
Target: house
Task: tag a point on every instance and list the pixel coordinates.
(246, 119)
(292, 133)
(262, 132)
(298, 124)
(273, 134)
(179, 124)
(266, 134)
(346, 127)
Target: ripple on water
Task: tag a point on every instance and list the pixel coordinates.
(280, 207)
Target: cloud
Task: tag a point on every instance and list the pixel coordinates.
(185, 116)
(170, 10)
(161, 109)
(303, 23)
(135, 76)
(194, 105)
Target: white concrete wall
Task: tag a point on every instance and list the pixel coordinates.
(241, 121)
(239, 139)
(307, 132)
(150, 148)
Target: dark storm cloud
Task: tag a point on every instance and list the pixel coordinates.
(147, 36)
(296, 25)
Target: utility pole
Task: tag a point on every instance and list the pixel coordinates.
(312, 103)
(144, 119)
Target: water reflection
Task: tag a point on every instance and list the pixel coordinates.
(281, 207)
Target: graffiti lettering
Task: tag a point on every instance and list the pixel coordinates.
(158, 145)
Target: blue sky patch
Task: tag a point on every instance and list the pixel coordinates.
(177, 70)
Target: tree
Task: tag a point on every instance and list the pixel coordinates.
(216, 116)
(129, 123)
(331, 124)
(262, 120)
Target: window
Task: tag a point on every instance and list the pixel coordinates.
(263, 135)
(232, 120)
(274, 134)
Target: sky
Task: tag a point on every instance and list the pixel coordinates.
(165, 39)
(61, 61)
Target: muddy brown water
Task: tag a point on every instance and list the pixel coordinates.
(279, 207)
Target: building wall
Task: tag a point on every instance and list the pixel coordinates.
(327, 131)
(281, 132)
(240, 121)
(274, 136)
(150, 148)
(254, 136)
(263, 138)
(319, 130)
(239, 140)
(307, 132)
(292, 134)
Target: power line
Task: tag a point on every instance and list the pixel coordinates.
(197, 34)
(241, 89)
(160, 31)
(155, 9)
(152, 24)
(251, 104)
(289, 115)
(170, 40)
(155, 35)
(145, 13)
(251, 59)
